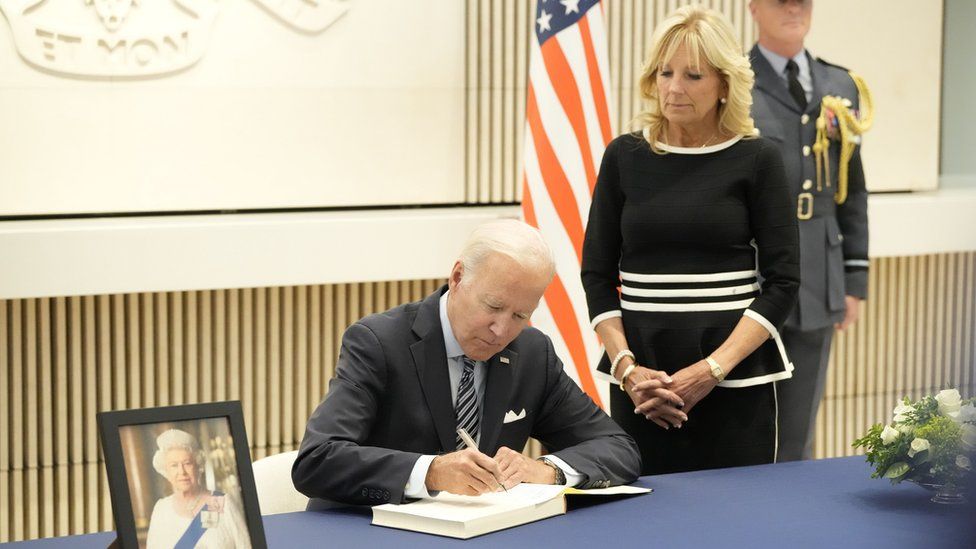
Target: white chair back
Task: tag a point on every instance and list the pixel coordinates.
(276, 492)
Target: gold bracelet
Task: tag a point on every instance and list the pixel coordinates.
(623, 378)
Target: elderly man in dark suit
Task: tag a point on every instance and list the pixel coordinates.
(409, 378)
(787, 97)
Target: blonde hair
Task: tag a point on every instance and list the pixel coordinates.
(702, 31)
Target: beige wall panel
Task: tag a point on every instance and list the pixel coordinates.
(904, 76)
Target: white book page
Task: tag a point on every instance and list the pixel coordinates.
(453, 507)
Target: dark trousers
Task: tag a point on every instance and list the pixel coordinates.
(799, 397)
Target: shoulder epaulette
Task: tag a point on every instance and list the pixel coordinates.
(826, 63)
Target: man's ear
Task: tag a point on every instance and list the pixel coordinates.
(457, 273)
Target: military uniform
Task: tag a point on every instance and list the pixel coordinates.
(833, 237)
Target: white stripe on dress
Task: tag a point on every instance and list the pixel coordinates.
(691, 292)
(690, 278)
(686, 307)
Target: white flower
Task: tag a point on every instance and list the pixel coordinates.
(949, 401)
(969, 435)
(962, 462)
(918, 445)
(899, 412)
(904, 428)
(889, 435)
(967, 413)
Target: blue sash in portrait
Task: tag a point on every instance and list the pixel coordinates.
(195, 530)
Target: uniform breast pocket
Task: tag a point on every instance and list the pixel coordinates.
(835, 265)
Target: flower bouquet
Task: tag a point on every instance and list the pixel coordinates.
(928, 442)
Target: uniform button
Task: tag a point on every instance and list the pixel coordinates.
(807, 185)
(805, 118)
(806, 150)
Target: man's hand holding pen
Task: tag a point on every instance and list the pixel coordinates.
(469, 472)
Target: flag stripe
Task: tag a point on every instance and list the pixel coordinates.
(562, 311)
(574, 49)
(554, 178)
(559, 131)
(565, 317)
(596, 83)
(568, 126)
(547, 221)
(564, 83)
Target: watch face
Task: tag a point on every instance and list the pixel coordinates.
(717, 373)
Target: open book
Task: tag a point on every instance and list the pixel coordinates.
(468, 516)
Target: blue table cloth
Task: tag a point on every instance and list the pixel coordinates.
(824, 503)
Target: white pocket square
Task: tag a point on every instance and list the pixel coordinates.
(511, 416)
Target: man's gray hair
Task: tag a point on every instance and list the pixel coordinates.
(175, 438)
(510, 237)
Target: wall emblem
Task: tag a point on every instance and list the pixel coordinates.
(135, 38)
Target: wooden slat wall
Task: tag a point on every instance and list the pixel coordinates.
(63, 359)
(497, 46)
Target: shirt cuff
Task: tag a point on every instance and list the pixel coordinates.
(573, 477)
(416, 487)
(603, 316)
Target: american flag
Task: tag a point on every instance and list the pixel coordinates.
(566, 131)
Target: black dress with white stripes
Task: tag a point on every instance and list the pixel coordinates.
(694, 239)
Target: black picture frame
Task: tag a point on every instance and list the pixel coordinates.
(109, 425)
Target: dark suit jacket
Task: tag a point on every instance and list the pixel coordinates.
(390, 402)
(834, 241)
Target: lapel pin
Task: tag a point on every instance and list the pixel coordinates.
(503, 359)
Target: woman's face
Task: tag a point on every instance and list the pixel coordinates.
(181, 469)
(688, 95)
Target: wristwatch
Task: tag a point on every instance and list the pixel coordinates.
(717, 371)
(560, 475)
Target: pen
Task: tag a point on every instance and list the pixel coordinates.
(469, 442)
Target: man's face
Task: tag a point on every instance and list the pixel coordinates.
(782, 20)
(488, 310)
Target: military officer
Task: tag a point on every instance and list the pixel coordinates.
(795, 93)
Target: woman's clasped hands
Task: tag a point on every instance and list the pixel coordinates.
(650, 390)
(667, 400)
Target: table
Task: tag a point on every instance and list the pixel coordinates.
(824, 504)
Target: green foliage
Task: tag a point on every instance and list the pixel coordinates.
(923, 423)
(945, 438)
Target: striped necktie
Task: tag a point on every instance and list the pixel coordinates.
(466, 405)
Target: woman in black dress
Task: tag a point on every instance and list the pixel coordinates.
(692, 220)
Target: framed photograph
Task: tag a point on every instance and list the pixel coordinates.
(180, 476)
